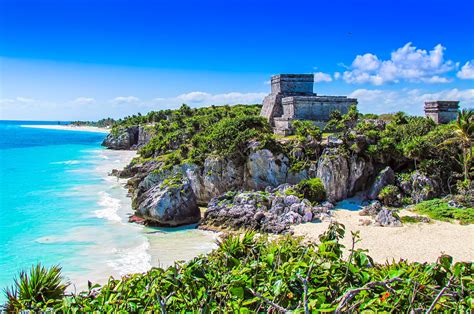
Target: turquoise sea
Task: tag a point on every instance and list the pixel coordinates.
(59, 206)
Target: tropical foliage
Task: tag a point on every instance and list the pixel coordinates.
(439, 209)
(250, 273)
(39, 289)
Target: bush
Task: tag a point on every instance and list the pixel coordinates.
(41, 288)
(306, 129)
(312, 189)
(440, 210)
(389, 195)
(249, 274)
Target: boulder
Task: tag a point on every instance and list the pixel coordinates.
(386, 218)
(268, 211)
(420, 187)
(169, 204)
(385, 177)
(372, 209)
(124, 138)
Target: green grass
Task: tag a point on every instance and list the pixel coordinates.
(439, 209)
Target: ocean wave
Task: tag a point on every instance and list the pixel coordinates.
(110, 207)
(132, 260)
(66, 162)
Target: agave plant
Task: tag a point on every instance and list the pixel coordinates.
(39, 289)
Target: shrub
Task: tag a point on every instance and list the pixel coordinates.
(306, 129)
(312, 189)
(389, 195)
(39, 289)
(440, 210)
(249, 274)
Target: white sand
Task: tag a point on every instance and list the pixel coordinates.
(420, 242)
(68, 128)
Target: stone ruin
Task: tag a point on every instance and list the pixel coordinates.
(292, 98)
(442, 111)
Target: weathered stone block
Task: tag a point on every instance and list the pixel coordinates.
(441, 111)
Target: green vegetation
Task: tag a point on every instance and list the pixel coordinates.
(412, 219)
(312, 189)
(190, 135)
(306, 130)
(254, 274)
(439, 209)
(40, 289)
(102, 123)
(389, 195)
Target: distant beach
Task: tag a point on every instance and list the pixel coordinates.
(67, 127)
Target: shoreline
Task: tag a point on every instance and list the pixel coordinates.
(67, 127)
(415, 242)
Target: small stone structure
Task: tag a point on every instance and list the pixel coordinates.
(292, 98)
(442, 111)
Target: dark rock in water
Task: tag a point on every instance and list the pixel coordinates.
(169, 204)
(372, 209)
(123, 139)
(272, 211)
(386, 218)
(385, 177)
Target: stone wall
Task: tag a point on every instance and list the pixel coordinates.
(442, 111)
(317, 108)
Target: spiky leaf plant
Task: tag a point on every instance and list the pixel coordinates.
(41, 288)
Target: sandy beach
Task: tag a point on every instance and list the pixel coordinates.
(68, 128)
(421, 242)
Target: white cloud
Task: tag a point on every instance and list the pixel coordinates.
(407, 100)
(84, 101)
(16, 100)
(467, 71)
(406, 64)
(322, 77)
(125, 100)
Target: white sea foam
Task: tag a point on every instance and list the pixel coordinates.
(66, 162)
(132, 260)
(110, 207)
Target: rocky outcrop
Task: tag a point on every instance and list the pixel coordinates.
(387, 218)
(264, 168)
(420, 187)
(127, 138)
(124, 138)
(169, 204)
(384, 178)
(144, 136)
(341, 175)
(273, 211)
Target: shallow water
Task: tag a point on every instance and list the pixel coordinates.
(59, 206)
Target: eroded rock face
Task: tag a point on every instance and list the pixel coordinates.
(271, 211)
(143, 136)
(124, 139)
(333, 170)
(420, 187)
(263, 168)
(171, 204)
(385, 177)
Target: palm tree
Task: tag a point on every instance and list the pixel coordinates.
(463, 135)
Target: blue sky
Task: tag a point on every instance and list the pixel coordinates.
(78, 59)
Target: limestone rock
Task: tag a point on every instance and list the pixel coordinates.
(385, 177)
(386, 218)
(268, 211)
(125, 138)
(263, 169)
(420, 187)
(372, 209)
(169, 205)
(333, 170)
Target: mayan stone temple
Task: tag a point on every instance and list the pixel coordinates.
(292, 98)
(442, 111)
